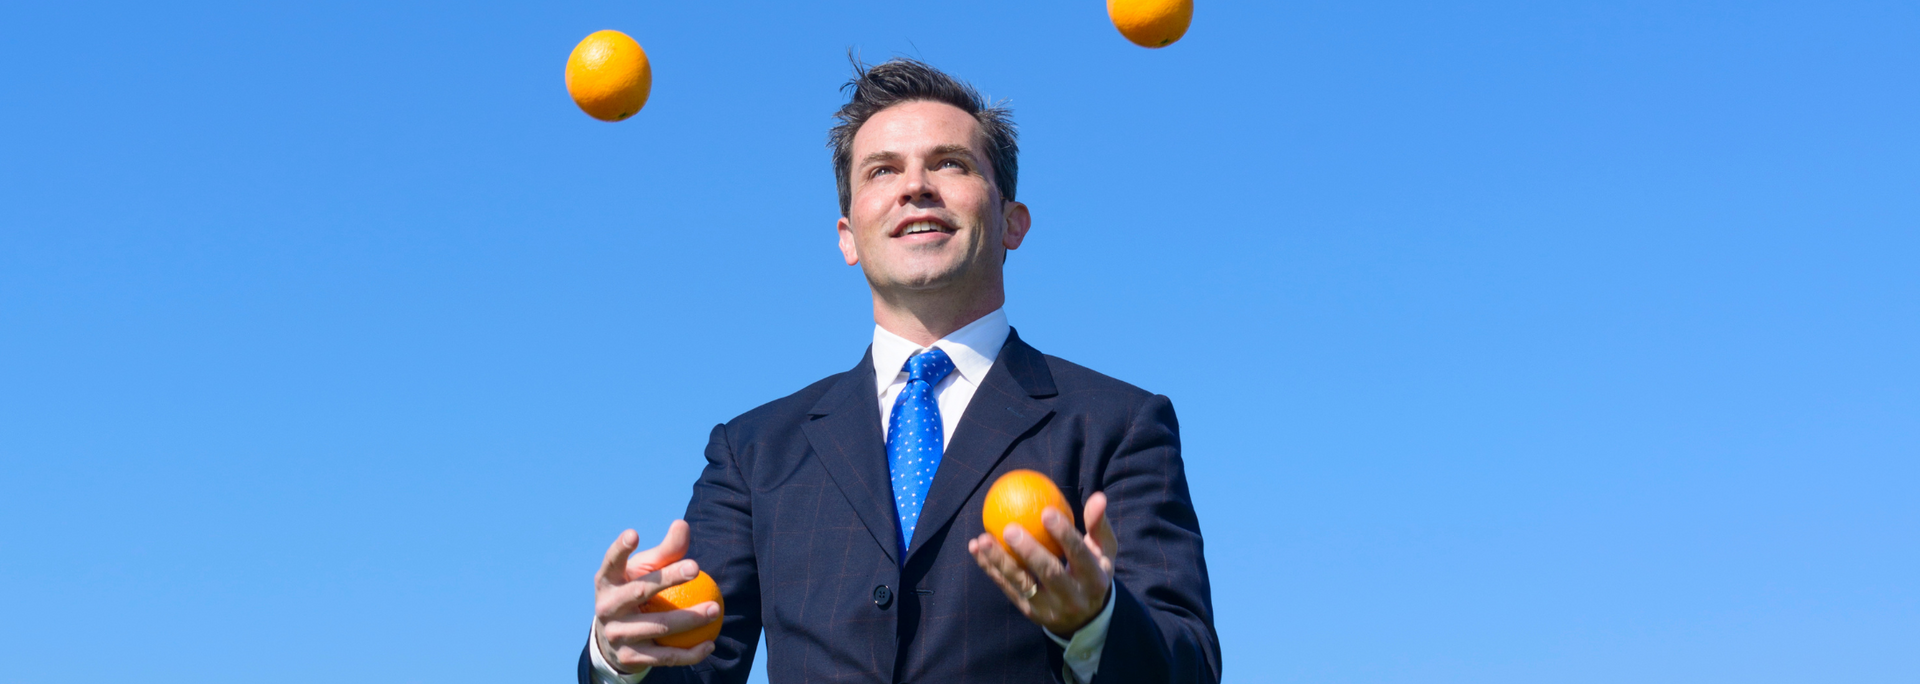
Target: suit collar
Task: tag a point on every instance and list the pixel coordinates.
(1027, 366)
(844, 429)
(1003, 411)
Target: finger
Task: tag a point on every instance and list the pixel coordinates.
(1004, 563)
(637, 656)
(674, 573)
(615, 601)
(647, 626)
(671, 548)
(613, 568)
(1047, 583)
(1002, 569)
(1100, 527)
(1082, 562)
(1039, 562)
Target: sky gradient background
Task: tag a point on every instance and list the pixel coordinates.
(1512, 341)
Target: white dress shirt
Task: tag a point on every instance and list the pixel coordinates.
(972, 349)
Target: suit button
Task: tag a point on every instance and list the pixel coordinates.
(882, 596)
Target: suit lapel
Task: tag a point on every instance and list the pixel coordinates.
(845, 433)
(1002, 411)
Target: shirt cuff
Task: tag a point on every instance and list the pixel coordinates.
(603, 672)
(1083, 652)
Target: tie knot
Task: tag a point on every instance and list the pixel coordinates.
(930, 367)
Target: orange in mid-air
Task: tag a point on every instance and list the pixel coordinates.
(1151, 23)
(688, 594)
(608, 76)
(1018, 497)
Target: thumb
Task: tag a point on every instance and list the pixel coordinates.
(672, 547)
(1100, 527)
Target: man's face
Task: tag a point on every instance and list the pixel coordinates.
(925, 213)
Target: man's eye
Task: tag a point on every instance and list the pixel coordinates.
(953, 163)
(879, 171)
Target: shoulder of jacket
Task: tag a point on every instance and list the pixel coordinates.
(1073, 378)
(788, 409)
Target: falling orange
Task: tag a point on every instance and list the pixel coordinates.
(1019, 497)
(608, 76)
(688, 594)
(1151, 23)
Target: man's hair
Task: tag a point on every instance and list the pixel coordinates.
(900, 80)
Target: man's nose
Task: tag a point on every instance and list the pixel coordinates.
(919, 186)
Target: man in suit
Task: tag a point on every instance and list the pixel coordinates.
(845, 519)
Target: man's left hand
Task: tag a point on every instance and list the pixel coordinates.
(1061, 595)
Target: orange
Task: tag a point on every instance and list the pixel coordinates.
(608, 76)
(1151, 23)
(688, 594)
(1019, 497)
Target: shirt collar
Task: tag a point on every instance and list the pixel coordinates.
(972, 348)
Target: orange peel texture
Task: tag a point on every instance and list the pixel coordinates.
(688, 594)
(1151, 23)
(1018, 497)
(608, 76)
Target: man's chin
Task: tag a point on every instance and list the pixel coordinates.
(916, 283)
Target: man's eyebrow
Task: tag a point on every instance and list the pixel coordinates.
(953, 149)
(890, 156)
(879, 157)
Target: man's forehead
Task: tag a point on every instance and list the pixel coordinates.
(916, 127)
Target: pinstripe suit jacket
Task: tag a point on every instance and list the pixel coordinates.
(794, 517)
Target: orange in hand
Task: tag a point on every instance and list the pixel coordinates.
(608, 76)
(1018, 497)
(688, 594)
(1151, 23)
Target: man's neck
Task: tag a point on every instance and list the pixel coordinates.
(925, 321)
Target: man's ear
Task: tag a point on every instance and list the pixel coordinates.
(1018, 221)
(847, 245)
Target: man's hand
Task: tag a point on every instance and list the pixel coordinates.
(624, 634)
(1061, 598)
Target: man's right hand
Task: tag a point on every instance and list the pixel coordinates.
(626, 580)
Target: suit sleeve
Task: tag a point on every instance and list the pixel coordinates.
(721, 518)
(1162, 627)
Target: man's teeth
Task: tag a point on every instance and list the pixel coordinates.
(921, 227)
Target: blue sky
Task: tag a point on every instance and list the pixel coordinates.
(1512, 342)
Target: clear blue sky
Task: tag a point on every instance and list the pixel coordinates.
(1512, 341)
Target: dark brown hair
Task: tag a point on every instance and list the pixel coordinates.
(901, 80)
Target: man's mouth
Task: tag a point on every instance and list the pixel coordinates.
(921, 228)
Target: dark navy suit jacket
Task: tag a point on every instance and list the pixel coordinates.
(794, 517)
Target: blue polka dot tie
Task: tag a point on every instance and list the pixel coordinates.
(915, 439)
